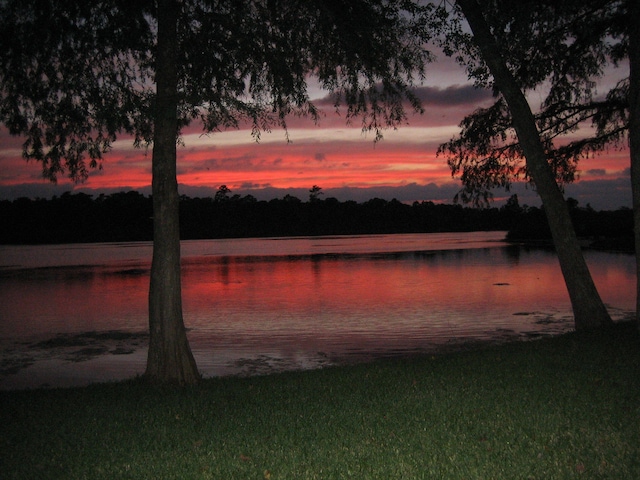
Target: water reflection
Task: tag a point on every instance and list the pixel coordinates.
(308, 307)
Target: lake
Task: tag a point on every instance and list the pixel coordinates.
(76, 314)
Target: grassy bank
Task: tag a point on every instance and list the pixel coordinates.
(567, 407)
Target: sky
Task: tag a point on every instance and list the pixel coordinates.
(339, 158)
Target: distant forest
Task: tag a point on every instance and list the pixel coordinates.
(128, 216)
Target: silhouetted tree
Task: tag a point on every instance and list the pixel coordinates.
(314, 193)
(514, 48)
(512, 205)
(222, 195)
(75, 74)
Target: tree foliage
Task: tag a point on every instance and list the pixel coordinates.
(556, 51)
(70, 81)
(74, 75)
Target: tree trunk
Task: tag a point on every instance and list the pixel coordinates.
(170, 359)
(588, 309)
(634, 131)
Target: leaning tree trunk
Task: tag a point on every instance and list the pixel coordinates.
(634, 131)
(588, 309)
(170, 359)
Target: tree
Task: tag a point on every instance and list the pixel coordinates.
(564, 47)
(512, 205)
(74, 75)
(222, 195)
(314, 193)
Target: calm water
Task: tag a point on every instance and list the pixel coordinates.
(261, 305)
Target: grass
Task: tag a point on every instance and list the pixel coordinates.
(567, 407)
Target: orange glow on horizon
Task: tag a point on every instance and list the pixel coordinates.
(330, 154)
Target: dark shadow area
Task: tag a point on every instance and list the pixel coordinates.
(71, 348)
(127, 216)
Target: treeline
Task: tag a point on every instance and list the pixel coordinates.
(609, 230)
(75, 218)
(128, 216)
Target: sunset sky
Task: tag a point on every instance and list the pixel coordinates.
(339, 158)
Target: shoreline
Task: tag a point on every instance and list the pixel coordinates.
(82, 359)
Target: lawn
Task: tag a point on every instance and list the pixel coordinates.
(565, 407)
